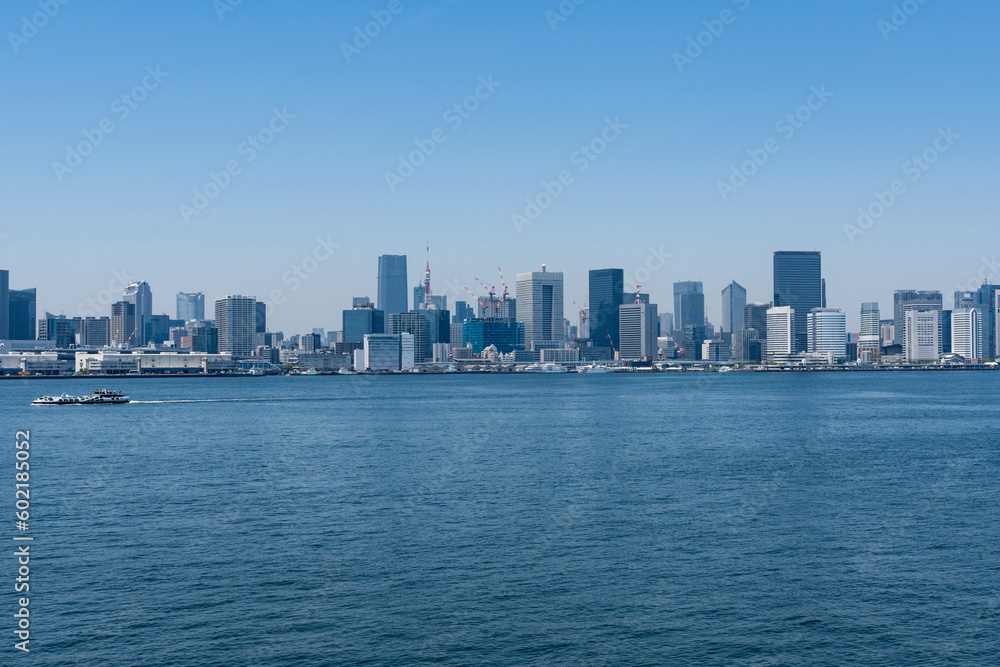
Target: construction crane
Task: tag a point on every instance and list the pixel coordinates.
(506, 294)
(481, 302)
(612, 344)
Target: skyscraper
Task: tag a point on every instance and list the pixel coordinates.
(871, 330)
(922, 333)
(827, 333)
(392, 284)
(4, 301)
(540, 306)
(139, 295)
(361, 321)
(734, 303)
(190, 306)
(798, 284)
(689, 304)
(967, 333)
(781, 334)
(907, 300)
(22, 314)
(123, 325)
(638, 331)
(606, 297)
(236, 321)
(415, 324)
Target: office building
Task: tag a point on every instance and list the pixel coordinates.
(781, 334)
(389, 352)
(139, 295)
(93, 331)
(21, 314)
(260, 321)
(605, 298)
(967, 333)
(463, 312)
(907, 300)
(638, 332)
(666, 324)
(692, 340)
(870, 337)
(57, 328)
(827, 332)
(361, 321)
(922, 333)
(236, 320)
(482, 333)
(190, 306)
(689, 305)
(416, 325)
(716, 351)
(798, 284)
(123, 324)
(734, 303)
(392, 284)
(203, 337)
(421, 299)
(158, 329)
(4, 300)
(540, 307)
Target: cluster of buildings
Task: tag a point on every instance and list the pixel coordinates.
(407, 327)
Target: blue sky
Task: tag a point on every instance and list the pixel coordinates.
(655, 186)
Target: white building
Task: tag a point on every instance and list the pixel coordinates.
(781, 330)
(389, 352)
(967, 333)
(870, 340)
(716, 351)
(236, 320)
(116, 362)
(637, 332)
(923, 335)
(32, 363)
(827, 332)
(563, 356)
(540, 307)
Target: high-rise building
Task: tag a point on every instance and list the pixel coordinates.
(190, 306)
(666, 324)
(22, 314)
(734, 303)
(692, 341)
(4, 300)
(157, 329)
(606, 297)
(389, 352)
(907, 300)
(94, 332)
(481, 333)
(57, 328)
(392, 284)
(540, 307)
(689, 305)
(781, 334)
(415, 324)
(946, 331)
(888, 328)
(716, 351)
(123, 324)
(870, 337)
(463, 312)
(361, 321)
(827, 333)
(986, 301)
(139, 295)
(204, 336)
(967, 333)
(922, 333)
(638, 331)
(421, 299)
(798, 284)
(236, 320)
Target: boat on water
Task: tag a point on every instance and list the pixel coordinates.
(545, 368)
(596, 368)
(99, 397)
(311, 371)
(346, 371)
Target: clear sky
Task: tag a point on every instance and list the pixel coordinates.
(678, 123)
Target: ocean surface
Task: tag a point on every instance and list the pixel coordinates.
(668, 519)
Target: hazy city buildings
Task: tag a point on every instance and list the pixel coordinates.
(689, 305)
(734, 303)
(21, 314)
(362, 320)
(416, 325)
(190, 306)
(4, 300)
(606, 295)
(827, 333)
(236, 321)
(540, 308)
(123, 324)
(139, 295)
(392, 284)
(907, 300)
(798, 284)
(389, 352)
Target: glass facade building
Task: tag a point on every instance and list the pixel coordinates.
(392, 284)
(21, 314)
(798, 284)
(606, 296)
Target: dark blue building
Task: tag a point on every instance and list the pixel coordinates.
(798, 282)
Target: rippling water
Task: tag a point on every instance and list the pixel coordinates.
(515, 520)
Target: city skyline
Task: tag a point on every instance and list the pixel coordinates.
(316, 195)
